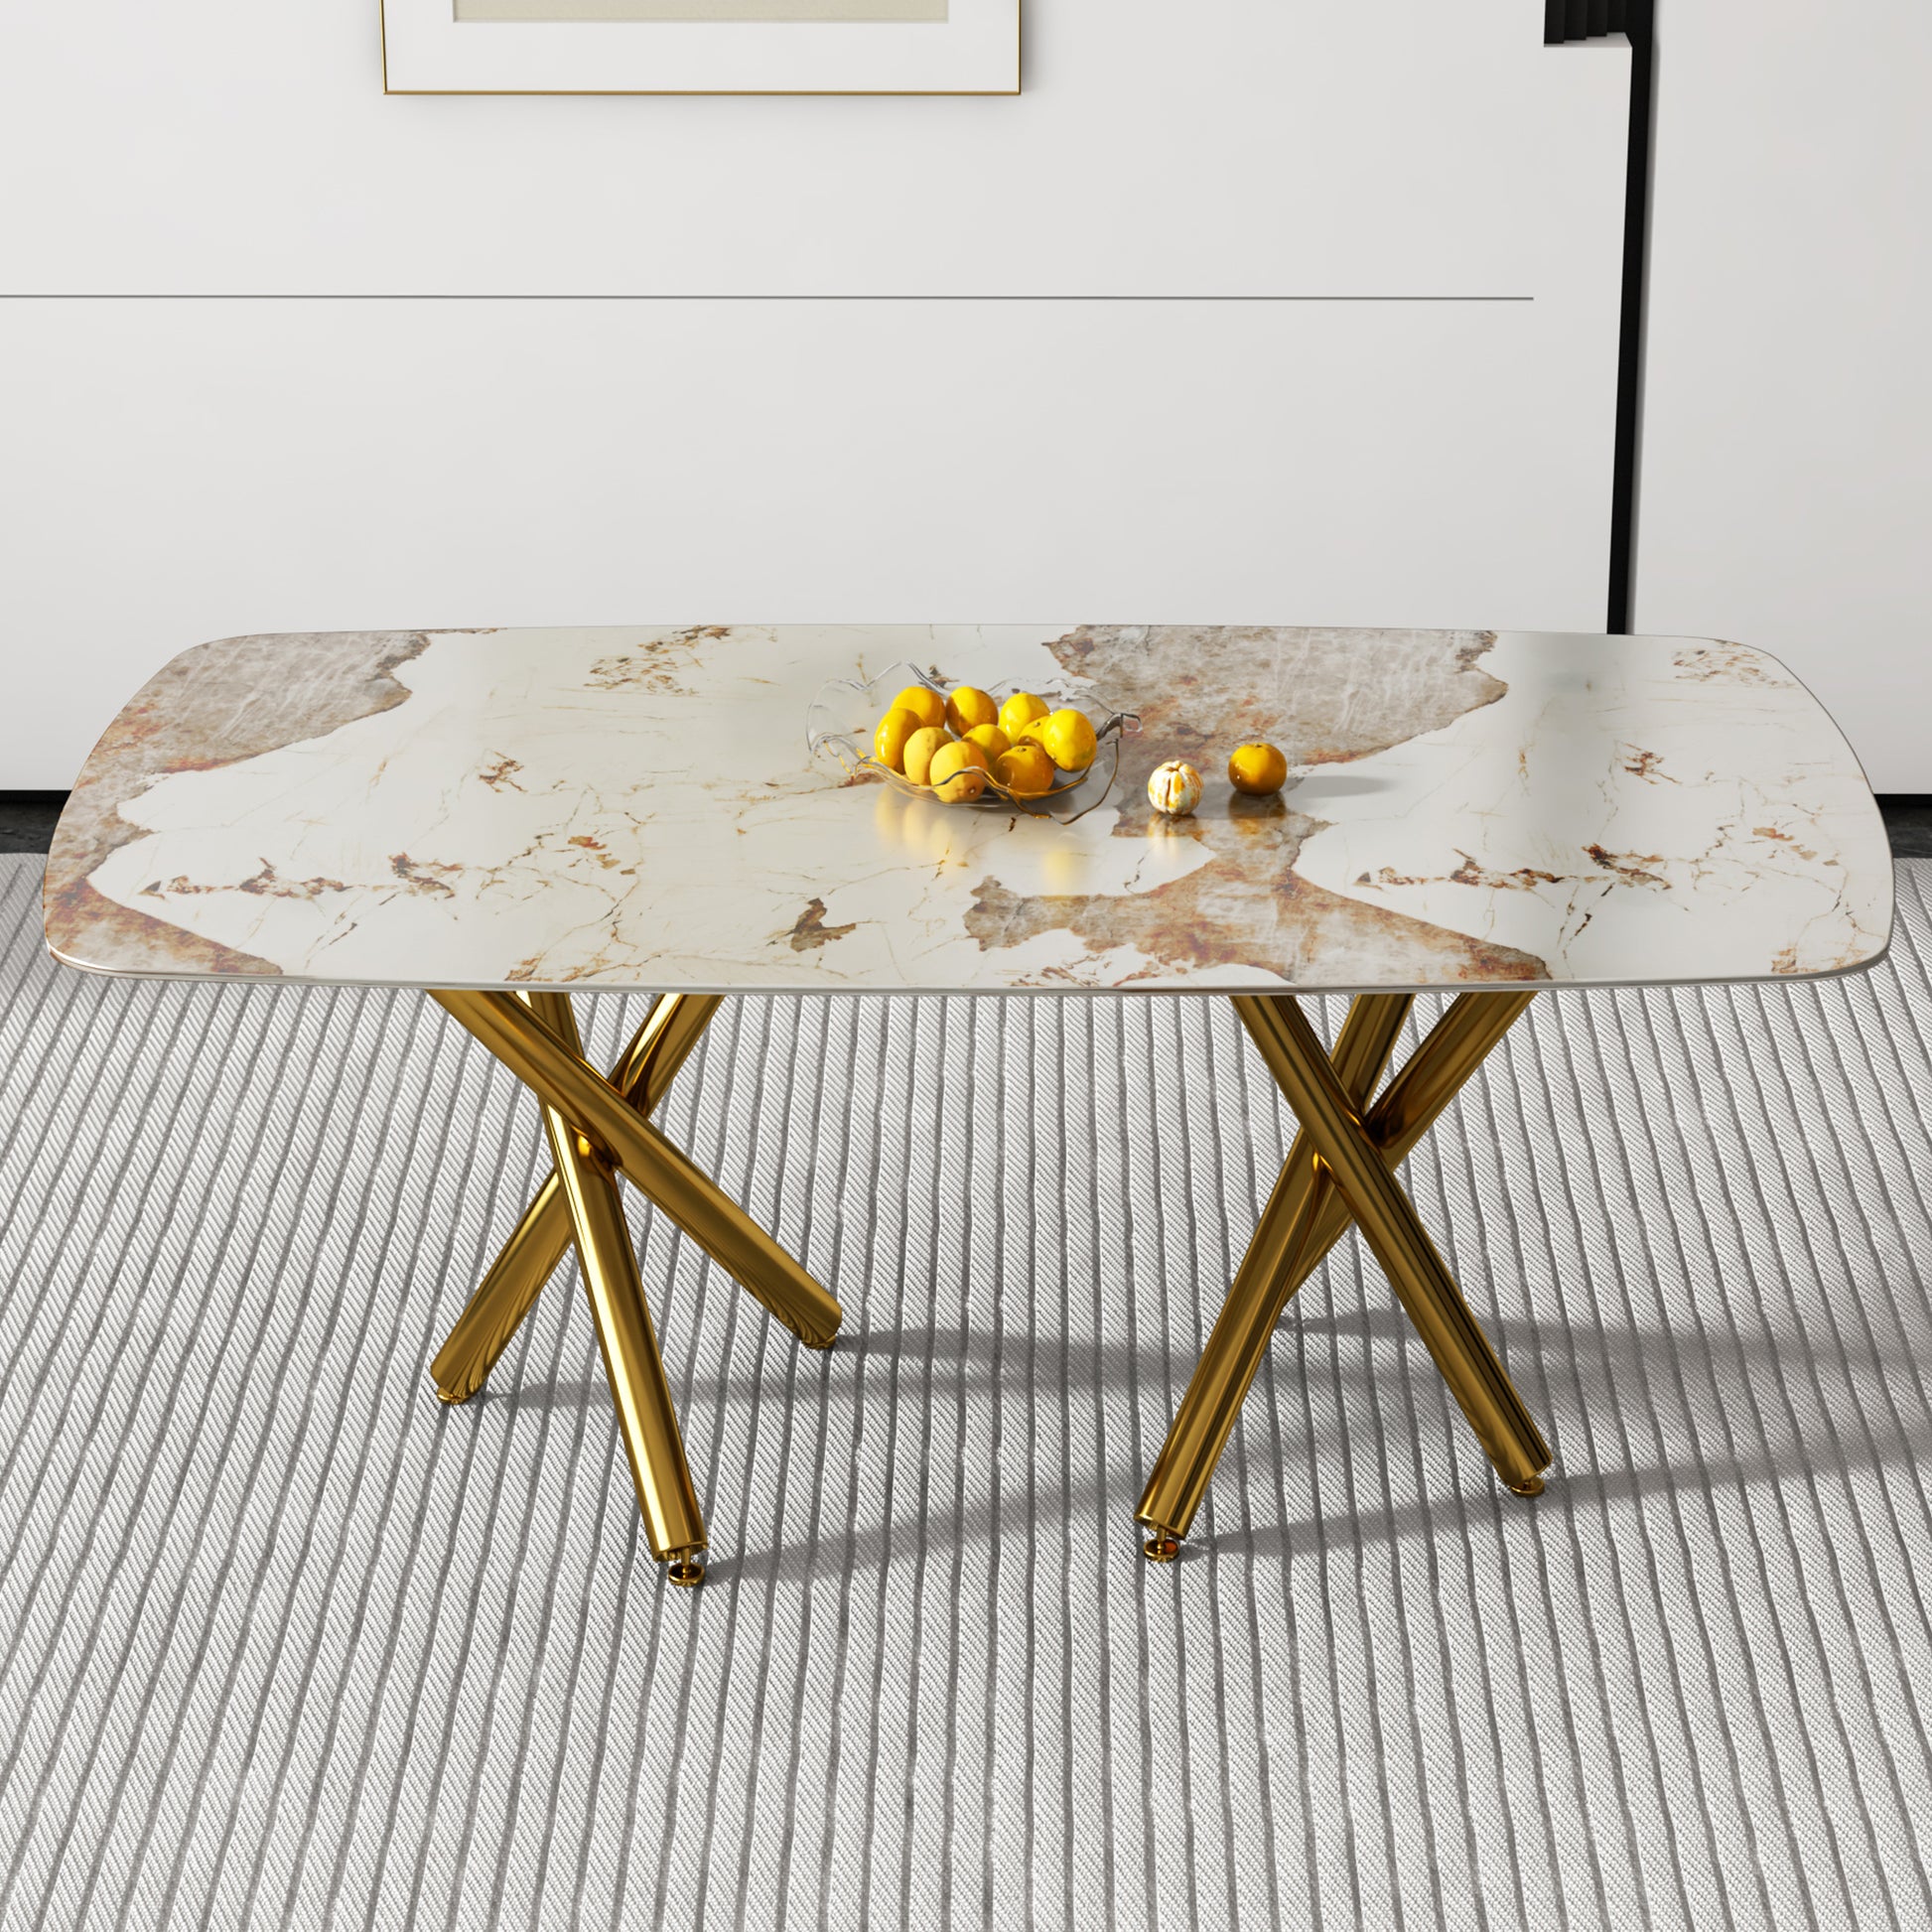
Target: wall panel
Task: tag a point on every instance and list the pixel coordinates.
(180, 470)
(1272, 146)
(326, 446)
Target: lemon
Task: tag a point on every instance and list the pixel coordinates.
(920, 750)
(889, 741)
(1019, 711)
(1026, 770)
(1173, 789)
(924, 703)
(1069, 739)
(957, 773)
(991, 740)
(1257, 768)
(970, 706)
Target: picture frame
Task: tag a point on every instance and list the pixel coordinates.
(700, 47)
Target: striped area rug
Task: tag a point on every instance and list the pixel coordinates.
(284, 1642)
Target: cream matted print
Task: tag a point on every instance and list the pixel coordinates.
(701, 9)
(714, 46)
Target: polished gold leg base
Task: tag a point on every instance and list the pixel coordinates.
(1341, 1170)
(647, 1421)
(1162, 1546)
(597, 1128)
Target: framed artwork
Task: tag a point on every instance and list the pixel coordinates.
(701, 47)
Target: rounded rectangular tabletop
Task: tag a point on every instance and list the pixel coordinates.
(639, 808)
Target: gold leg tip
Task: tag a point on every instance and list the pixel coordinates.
(811, 1337)
(450, 1401)
(685, 1568)
(1160, 1547)
(1532, 1486)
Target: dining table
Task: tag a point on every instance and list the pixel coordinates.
(507, 818)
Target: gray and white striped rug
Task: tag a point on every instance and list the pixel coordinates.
(284, 1642)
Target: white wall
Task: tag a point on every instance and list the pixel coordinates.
(1114, 437)
(1787, 479)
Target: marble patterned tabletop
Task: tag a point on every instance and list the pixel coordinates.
(639, 808)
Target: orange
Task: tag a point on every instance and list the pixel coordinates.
(1257, 768)
(889, 741)
(970, 706)
(1173, 789)
(920, 750)
(924, 703)
(958, 771)
(1068, 739)
(1026, 770)
(1019, 711)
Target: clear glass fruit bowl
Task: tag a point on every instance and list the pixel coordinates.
(840, 721)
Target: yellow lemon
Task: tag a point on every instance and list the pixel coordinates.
(990, 738)
(921, 748)
(924, 703)
(889, 741)
(1173, 789)
(1019, 711)
(970, 706)
(1068, 739)
(1257, 768)
(958, 771)
(1026, 770)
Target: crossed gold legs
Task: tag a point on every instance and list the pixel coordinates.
(596, 1130)
(1340, 1169)
(648, 1160)
(528, 1259)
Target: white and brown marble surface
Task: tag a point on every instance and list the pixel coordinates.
(639, 808)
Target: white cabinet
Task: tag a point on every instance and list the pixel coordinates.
(1786, 474)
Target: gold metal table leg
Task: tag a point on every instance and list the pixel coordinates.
(1268, 1275)
(1457, 1045)
(567, 1082)
(1397, 1240)
(507, 1293)
(1304, 1219)
(673, 1522)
